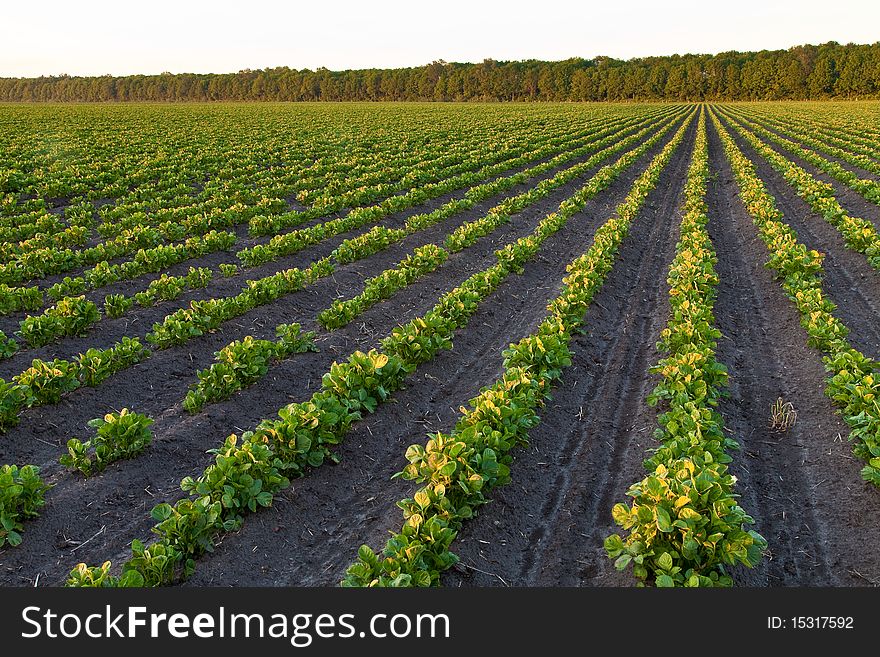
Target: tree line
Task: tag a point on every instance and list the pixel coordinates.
(830, 70)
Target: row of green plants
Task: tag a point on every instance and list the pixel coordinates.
(843, 150)
(145, 261)
(421, 261)
(164, 288)
(22, 495)
(193, 218)
(57, 239)
(853, 382)
(243, 362)
(684, 526)
(431, 256)
(869, 189)
(247, 473)
(118, 435)
(859, 234)
(36, 218)
(70, 316)
(603, 144)
(15, 299)
(458, 470)
(850, 147)
(26, 227)
(44, 382)
(202, 317)
(43, 262)
(289, 243)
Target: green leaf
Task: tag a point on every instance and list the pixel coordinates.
(161, 512)
(664, 561)
(613, 545)
(622, 561)
(664, 523)
(621, 514)
(366, 554)
(665, 581)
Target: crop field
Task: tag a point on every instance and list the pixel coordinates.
(440, 344)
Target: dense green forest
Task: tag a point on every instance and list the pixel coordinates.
(830, 70)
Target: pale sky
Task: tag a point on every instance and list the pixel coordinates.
(94, 37)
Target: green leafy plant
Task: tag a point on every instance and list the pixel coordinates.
(48, 380)
(423, 260)
(198, 277)
(96, 365)
(244, 362)
(70, 316)
(21, 497)
(13, 299)
(67, 287)
(685, 525)
(100, 577)
(13, 398)
(116, 305)
(121, 435)
(8, 346)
